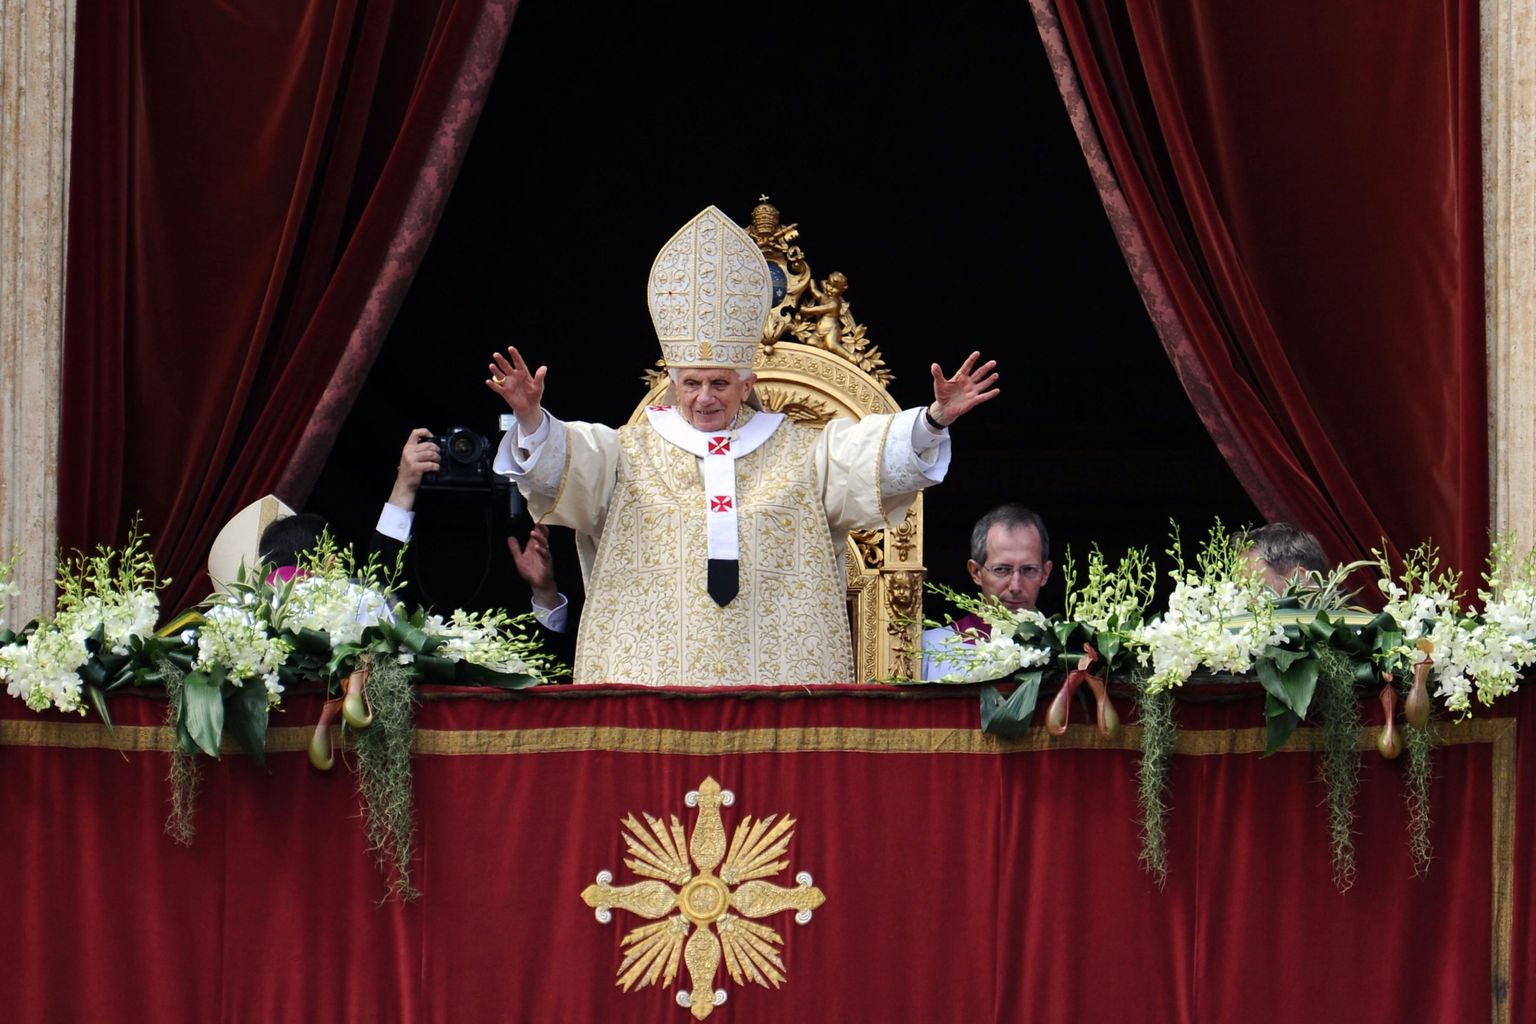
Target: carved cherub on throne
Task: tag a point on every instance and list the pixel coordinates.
(831, 311)
(816, 363)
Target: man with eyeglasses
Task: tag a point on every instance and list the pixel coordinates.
(1010, 561)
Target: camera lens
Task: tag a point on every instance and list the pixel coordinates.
(464, 446)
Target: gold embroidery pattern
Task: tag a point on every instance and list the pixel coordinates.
(710, 293)
(812, 386)
(652, 621)
(704, 900)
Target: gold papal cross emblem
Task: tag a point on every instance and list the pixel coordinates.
(715, 912)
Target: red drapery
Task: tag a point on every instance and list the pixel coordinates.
(252, 189)
(1297, 191)
(966, 878)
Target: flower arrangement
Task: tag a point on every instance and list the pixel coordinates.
(1008, 642)
(332, 621)
(1103, 614)
(100, 637)
(1310, 649)
(1470, 655)
(335, 623)
(1218, 616)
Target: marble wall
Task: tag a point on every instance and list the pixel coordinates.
(37, 39)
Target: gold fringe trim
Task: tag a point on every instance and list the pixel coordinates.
(812, 739)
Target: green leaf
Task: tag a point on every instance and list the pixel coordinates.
(93, 672)
(410, 636)
(1037, 636)
(182, 658)
(1294, 683)
(442, 670)
(1011, 716)
(1383, 620)
(345, 655)
(1108, 645)
(1279, 722)
(202, 712)
(1283, 657)
(245, 716)
(99, 702)
(1348, 640)
(1068, 636)
(312, 641)
(1320, 628)
(478, 675)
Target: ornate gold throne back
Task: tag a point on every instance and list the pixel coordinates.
(814, 364)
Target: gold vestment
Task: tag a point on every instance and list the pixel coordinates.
(636, 502)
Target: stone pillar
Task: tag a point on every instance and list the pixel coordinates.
(37, 44)
(1509, 246)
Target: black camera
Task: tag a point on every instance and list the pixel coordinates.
(465, 462)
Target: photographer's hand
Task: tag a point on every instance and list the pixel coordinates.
(419, 456)
(535, 566)
(522, 389)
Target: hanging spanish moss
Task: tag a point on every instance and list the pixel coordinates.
(1340, 713)
(186, 774)
(1158, 736)
(1419, 744)
(384, 775)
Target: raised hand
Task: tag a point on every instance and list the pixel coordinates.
(971, 385)
(521, 388)
(535, 565)
(419, 456)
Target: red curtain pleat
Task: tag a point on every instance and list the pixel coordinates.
(1297, 191)
(977, 884)
(252, 189)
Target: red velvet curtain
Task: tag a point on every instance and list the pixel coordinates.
(966, 878)
(252, 188)
(1297, 191)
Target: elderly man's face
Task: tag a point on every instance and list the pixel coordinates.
(709, 397)
(1014, 571)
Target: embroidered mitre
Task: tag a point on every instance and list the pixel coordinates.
(710, 294)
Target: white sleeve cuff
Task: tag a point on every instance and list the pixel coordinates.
(922, 462)
(924, 437)
(552, 619)
(395, 522)
(519, 452)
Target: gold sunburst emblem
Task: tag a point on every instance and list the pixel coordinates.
(712, 909)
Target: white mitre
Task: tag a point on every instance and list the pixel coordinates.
(710, 294)
(238, 544)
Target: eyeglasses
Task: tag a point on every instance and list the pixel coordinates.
(1003, 573)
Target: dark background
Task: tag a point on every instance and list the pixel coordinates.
(923, 150)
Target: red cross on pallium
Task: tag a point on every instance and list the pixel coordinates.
(659, 408)
(721, 503)
(719, 446)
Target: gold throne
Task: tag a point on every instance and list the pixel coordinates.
(814, 364)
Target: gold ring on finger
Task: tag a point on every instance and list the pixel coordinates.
(497, 378)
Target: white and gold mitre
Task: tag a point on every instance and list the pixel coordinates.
(710, 294)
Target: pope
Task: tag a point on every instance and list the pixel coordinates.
(711, 533)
